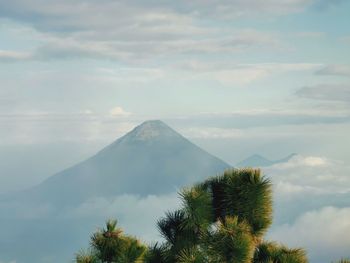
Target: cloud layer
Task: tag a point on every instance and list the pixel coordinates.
(311, 206)
(327, 92)
(323, 232)
(131, 31)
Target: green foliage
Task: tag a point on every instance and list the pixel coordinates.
(197, 207)
(172, 227)
(86, 257)
(132, 251)
(110, 245)
(108, 242)
(157, 254)
(191, 255)
(270, 252)
(243, 193)
(232, 242)
(222, 220)
(343, 260)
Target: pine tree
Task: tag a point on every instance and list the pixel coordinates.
(222, 220)
(110, 245)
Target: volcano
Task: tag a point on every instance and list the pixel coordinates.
(151, 159)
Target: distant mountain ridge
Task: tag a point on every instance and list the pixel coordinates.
(257, 160)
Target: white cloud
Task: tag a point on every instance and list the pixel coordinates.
(138, 48)
(126, 204)
(324, 233)
(119, 112)
(337, 70)
(304, 188)
(212, 133)
(128, 209)
(131, 32)
(205, 66)
(50, 127)
(239, 76)
(326, 92)
(273, 112)
(235, 74)
(237, 8)
(315, 161)
(87, 112)
(310, 34)
(247, 73)
(289, 190)
(29, 126)
(132, 75)
(9, 55)
(81, 14)
(302, 161)
(309, 175)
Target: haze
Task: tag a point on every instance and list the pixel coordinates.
(237, 78)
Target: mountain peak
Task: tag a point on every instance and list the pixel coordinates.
(152, 129)
(151, 152)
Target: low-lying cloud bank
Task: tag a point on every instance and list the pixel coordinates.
(312, 206)
(312, 210)
(309, 175)
(138, 216)
(324, 233)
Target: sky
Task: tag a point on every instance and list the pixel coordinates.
(236, 77)
(82, 73)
